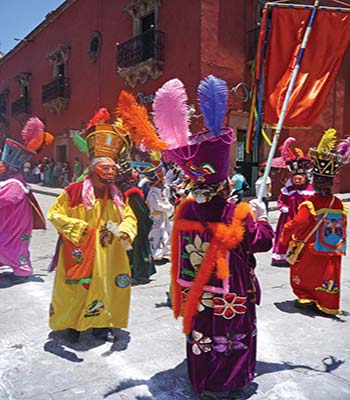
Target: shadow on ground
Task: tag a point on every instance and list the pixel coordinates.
(288, 306)
(173, 384)
(8, 279)
(329, 364)
(59, 345)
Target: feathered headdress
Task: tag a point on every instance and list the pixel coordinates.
(204, 155)
(34, 136)
(135, 120)
(296, 162)
(104, 139)
(327, 161)
(212, 98)
(171, 115)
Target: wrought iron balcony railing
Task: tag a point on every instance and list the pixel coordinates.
(141, 48)
(20, 106)
(59, 88)
(252, 43)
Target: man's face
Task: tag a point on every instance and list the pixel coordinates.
(106, 171)
(322, 183)
(299, 180)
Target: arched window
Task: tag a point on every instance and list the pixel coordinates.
(94, 46)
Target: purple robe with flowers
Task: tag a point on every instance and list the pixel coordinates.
(288, 202)
(221, 348)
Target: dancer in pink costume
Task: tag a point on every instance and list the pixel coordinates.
(20, 213)
(296, 190)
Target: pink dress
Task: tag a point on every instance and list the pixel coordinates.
(288, 202)
(17, 207)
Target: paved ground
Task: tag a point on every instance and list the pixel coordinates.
(301, 355)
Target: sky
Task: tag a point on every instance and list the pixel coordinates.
(19, 17)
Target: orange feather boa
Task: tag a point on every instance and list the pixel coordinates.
(224, 238)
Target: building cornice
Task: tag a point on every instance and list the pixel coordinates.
(50, 17)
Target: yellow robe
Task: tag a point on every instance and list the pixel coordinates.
(105, 301)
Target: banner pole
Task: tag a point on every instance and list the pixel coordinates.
(286, 99)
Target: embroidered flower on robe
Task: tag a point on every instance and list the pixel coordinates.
(205, 301)
(231, 341)
(200, 343)
(229, 305)
(94, 309)
(197, 250)
(296, 279)
(329, 287)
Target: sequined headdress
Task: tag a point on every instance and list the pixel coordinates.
(104, 139)
(326, 157)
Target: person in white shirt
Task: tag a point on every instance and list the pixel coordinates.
(161, 209)
(267, 190)
(27, 167)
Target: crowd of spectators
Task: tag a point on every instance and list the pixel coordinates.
(51, 173)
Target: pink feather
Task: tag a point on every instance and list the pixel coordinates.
(286, 152)
(170, 112)
(343, 148)
(32, 130)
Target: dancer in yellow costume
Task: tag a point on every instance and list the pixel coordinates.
(92, 283)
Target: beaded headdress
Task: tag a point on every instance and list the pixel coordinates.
(326, 157)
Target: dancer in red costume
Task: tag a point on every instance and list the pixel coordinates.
(315, 277)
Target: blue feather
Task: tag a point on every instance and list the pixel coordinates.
(212, 98)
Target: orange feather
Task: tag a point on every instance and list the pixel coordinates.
(135, 119)
(299, 152)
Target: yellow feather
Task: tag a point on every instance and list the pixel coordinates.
(155, 155)
(327, 141)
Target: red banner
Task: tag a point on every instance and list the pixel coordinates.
(328, 41)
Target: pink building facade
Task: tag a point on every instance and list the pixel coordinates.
(84, 52)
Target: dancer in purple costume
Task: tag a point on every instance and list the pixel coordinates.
(221, 346)
(213, 285)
